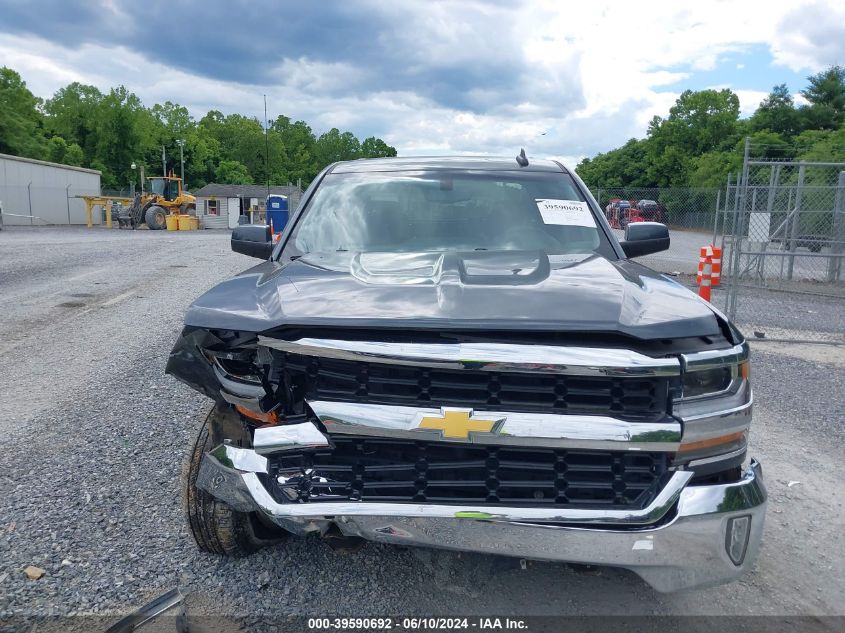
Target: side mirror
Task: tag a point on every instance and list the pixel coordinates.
(645, 238)
(253, 240)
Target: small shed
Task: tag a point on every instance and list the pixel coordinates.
(222, 206)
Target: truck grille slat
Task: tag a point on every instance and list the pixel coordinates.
(412, 471)
(320, 378)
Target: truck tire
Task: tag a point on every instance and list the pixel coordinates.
(215, 526)
(156, 218)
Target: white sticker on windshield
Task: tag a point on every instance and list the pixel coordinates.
(566, 212)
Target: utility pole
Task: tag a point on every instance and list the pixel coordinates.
(181, 143)
(163, 162)
(266, 146)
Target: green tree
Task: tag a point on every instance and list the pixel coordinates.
(232, 172)
(823, 145)
(21, 123)
(826, 94)
(242, 139)
(712, 169)
(58, 151)
(119, 128)
(334, 146)
(80, 125)
(74, 155)
(766, 144)
(72, 113)
(298, 140)
(700, 121)
(777, 113)
(373, 147)
(625, 166)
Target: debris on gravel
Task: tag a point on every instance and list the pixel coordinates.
(33, 573)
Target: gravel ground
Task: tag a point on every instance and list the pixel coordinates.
(94, 435)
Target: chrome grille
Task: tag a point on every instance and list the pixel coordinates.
(320, 378)
(392, 470)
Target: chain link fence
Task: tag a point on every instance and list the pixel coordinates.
(782, 228)
(690, 213)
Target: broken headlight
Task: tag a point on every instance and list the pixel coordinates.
(714, 407)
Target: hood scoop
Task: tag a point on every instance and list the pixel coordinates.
(397, 268)
(512, 268)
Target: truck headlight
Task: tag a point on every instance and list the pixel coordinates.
(713, 381)
(714, 407)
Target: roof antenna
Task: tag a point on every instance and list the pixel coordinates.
(521, 160)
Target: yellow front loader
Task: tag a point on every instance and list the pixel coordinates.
(164, 197)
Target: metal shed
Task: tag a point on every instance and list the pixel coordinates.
(35, 192)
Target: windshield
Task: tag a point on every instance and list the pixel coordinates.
(157, 185)
(447, 211)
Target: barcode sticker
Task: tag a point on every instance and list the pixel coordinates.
(565, 212)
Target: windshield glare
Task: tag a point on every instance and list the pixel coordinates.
(446, 211)
(157, 185)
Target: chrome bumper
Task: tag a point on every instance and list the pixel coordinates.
(680, 541)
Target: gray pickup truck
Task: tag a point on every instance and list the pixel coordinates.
(458, 353)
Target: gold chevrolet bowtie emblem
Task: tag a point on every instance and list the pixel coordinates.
(458, 424)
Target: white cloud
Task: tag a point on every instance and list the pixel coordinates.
(810, 36)
(749, 100)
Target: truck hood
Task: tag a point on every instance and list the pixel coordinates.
(523, 290)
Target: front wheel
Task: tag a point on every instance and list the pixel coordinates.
(215, 526)
(156, 218)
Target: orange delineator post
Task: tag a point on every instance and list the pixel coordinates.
(715, 264)
(716, 269)
(705, 276)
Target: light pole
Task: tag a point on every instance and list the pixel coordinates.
(134, 166)
(266, 145)
(181, 144)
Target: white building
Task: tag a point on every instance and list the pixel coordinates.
(35, 192)
(221, 206)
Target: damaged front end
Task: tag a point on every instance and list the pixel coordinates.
(533, 449)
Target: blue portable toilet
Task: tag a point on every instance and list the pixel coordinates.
(277, 212)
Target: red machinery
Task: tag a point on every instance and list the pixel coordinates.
(620, 213)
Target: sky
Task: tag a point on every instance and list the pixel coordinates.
(562, 79)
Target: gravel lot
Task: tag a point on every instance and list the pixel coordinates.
(94, 434)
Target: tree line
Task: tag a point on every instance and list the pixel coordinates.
(83, 126)
(702, 139)
(697, 145)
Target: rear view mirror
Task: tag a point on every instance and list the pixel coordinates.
(645, 238)
(253, 240)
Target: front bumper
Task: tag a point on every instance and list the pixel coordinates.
(680, 541)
